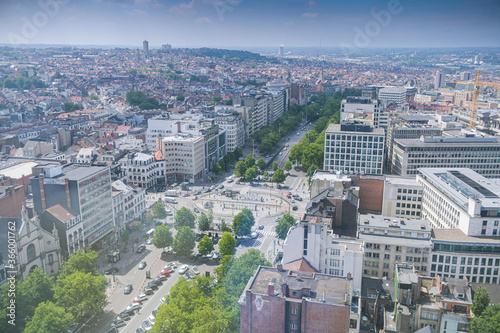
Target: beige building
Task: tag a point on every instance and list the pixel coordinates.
(37, 148)
(389, 241)
(184, 157)
(402, 197)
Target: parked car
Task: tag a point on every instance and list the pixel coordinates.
(183, 269)
(165, 272)
(109, 330)
(128, 289)
(118, 323)
(196, 271)
(221, 186)
(124, 316)
(190, 274)
(111, 270)
(148, 291)
(140, 330)
(141, 248)
(161, 277)
(157, 281)
(142, 265)
(195, 198)
(295, 208)
(298, 198)
(141, 297)
(153, 285)
(196, 210)
(277, 219)
(147, 325)
(288, 195)
(134, 306)
(197, 193)
(171, 267)
(261, 227)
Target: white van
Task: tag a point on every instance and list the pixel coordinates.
(170, 200)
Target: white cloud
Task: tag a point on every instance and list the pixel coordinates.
(312, 3)
(203, 20)
(136, 12)
(310, 15)
(183, 7)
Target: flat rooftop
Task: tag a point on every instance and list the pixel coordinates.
(77, 172)
(378, 221)
(334, 288)
(399, 180)
(458, 236)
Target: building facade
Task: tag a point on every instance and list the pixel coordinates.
(184, 158)
(233, 124)
(363, 108)
(402, 197)
(141, 170)
(392, 94)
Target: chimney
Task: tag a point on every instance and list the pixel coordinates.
(270, 289)
(284, 289)
(349, 276)
(279, 267)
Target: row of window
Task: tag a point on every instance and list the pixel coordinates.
(368, 138)
(466, 260)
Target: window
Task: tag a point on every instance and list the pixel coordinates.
(294, 327)
(31, 252)
(295, 311)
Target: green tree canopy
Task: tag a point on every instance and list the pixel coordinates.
(135, 97)
(224, 226)
(243, 222)
(279, 176)
(124, 235)
(261, 163)
(288, 166)
(181, 98)
(275, 165)
(137, 226)
(481, 301)
(163, 237)
(250, 160)
(49, 318)
(205, 246)
(227, 244)
(217, 99)
(203, 222)
(184, 217)
(238, 152)
(81, 294)
(251, 173)
(159, 211)
(265, 176)
(488, 321)
(184, 241)
(240, 169)
(84, 262)
(217, 169)
(284, 225)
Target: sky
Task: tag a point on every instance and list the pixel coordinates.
(252, 23)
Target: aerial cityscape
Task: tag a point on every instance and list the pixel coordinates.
(249, 166)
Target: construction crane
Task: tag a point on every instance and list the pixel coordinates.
(475, 97)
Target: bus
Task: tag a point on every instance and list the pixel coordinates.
(170, 200)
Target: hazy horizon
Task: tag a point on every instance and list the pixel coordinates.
(244, 24)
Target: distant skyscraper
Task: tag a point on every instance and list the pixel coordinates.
(282, 50)
(145, 49)
(439, 80)
(465, 76)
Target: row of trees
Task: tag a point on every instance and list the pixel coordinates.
(23, 82)
(227, 161)
(250, 169)
(43, 305)
(208, 305)
(139, 98)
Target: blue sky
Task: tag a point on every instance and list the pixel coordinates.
(240, 23)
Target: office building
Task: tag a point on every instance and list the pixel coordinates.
(277, 300)
(281, 51)
(465, 76)
(129, 204)
(229, 120)
(463, 149)
(145, 49)
(460, 198)
(184, 157)
(439, 80)
(354, 147)
(389, 241)
(363, 109)
(260, 105)
(140, 170)
(392, 94)
(402, 197)
(84, 189)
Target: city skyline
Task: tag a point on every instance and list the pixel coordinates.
(237, 23)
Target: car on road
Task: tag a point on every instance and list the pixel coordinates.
(118, 323)
(196, 271)
(289, 196)
(295, 208)
(149, 241)
(141, 298)
(153, 285)
(165, 272)
(147, 325)
(295, 196)
(187, 195)
(134, 306)
(298, 198)
(292, 200)
(183, 269)
(261, 227)
(195, 198)
(141, 248)
(124, 316)
(142, 265)
(280, 153)
(148, 290)
(140, 330)
(190, 274)
(111, 270)
(277, 219)
(196, 210)
(128, 289)
(298, 133)
(161, 277)
(254, 235)
(171, 267)
(197, 193)
(221, 186)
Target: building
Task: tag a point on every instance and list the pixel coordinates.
(145, 49)
(389, 241)
(402, 197)
(277, 300)
(141, 170)
(439, 80)
(12, 198)
(260, 106)
(129, 204)
(37, 149)
(465, 76)
(363, 109)
(229, 120)
(281, 51)
(279, 103)
(354, 147)
(392, 94)
(456, 255)
(184, 158)
(463, 149)
(460, 198)
(324, 250)
(84, 189)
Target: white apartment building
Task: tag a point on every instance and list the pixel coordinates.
(278, 103)
(140, 170)
(460, 198)
(184, 158)
(325, 251)
(168, 125)
(465, 149)
(363, 108)
(354, 147)
(402, 197)
(233, 124)
(128, 204)
(456, 255)
(392, 94)
(389, 241)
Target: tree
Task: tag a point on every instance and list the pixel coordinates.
(205, 246)
(279, 176)
(184, 217)
(137, 226)
(49, 318)
(240, 169)
(159, 211)
(224, 226)
(181, 98)
(488, 321)
(81, 294)
(227, 244)
(124, 235)
(210, 216)
(250, 161)
(284, 225)
(261, 163)
(275, 165)
(184, 241)
(229, 102)
(243, 222)
(163, 237)
(217, 99)
(481, 301)
(217, 169)
(288, 166)
(203, 223)
(251, 173)
(265, 176)
(84, 262)
(135, 97)
(238, 152)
